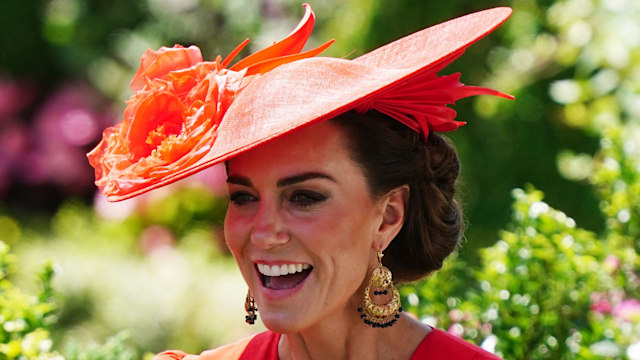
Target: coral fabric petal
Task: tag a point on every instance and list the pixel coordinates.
(235, 52)
(163, 110)
(156, 64)
(292, 44)
(269, 64)
(170, 355)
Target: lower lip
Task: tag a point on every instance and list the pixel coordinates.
(276, 295)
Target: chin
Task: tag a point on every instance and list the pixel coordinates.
(282, 323)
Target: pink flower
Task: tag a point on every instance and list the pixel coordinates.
(156, 238)
(456, 315)
(628, 310)
(14, 138)
(486, 329)
(602, 306)
(66, 123)
(14, 96)
(611, 264)
(597, 296)
(456, 330)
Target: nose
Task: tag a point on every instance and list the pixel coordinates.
(268, 228)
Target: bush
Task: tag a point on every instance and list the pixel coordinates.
(546, 290)
(549, 289)
(25, 319)
(26, 322)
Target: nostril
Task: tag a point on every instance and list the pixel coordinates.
(268, 237)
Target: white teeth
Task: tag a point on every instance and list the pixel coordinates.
(284, 269)
(264, 270)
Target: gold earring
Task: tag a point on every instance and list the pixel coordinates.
(250, 307)
(383, 315)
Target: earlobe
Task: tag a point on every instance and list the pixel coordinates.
(393, 216)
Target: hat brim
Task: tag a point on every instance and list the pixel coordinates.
(277, 102)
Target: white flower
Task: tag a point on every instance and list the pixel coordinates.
(489, 344)
(633, 351)
(605, 348)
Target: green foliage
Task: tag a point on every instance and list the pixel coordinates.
(545, 290)
(153, 265)
(549, 289)
(117, 347)
(537, 280)
(25, 319)
(617, 179)
(602, 99)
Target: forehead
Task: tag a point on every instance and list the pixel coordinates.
(320, 146)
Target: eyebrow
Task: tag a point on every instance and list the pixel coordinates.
(290, 180)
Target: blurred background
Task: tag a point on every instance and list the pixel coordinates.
(550, 182)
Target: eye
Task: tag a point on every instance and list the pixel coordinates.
(240, 198)
(306, 198)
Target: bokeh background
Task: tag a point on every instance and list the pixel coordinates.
(550, 185)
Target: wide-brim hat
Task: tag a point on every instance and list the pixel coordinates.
(187, 114)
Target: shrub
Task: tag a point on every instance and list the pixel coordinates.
(25, 319)
(546, 290)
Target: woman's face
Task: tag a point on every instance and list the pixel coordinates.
(300, 207)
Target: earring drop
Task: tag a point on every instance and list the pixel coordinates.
(250, 307)
(386, 314)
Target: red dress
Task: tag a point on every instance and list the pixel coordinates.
(437, 345)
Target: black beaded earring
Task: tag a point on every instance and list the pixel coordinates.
(250, 307)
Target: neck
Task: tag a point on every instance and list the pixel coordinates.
(344, 335)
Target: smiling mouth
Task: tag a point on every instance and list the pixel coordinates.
(282, 277)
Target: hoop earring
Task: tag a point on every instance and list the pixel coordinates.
(250, 307)
(383, 315)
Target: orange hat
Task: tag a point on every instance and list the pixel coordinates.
(187, 114)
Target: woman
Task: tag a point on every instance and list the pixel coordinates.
(315, 205)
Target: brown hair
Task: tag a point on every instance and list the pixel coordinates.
(392, 155)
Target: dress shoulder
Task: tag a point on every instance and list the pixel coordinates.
(440, 345)
(261, 346)
(174, 355)
(231, 351)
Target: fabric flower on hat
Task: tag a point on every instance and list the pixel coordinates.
(179, 100)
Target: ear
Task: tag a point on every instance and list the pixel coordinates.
(394, 205)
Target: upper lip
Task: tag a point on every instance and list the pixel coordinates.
(282, 268)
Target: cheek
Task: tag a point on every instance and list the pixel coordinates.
(233, 233)
(348, 236)
(355, 225)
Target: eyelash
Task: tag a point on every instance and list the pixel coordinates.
(306, 198)
(301, 199)
(240, 198)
